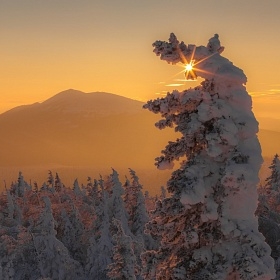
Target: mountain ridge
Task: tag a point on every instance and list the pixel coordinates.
(105, 130)
(78, 101)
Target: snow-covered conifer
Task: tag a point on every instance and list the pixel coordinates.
(128, 196)
(18, 213)
(163, 193)
(208, 225)
(77, 233)
(140, 216)
(12, 210)
(10, 205)
(116, 205)
(58, 185)
(135, 205)
(92, 189)
(19, 259)
(76, 188)
(50, 181)
(20, 187)
(124, 261)
(149, 201)
(44, 187)
(99, 254)
(53, 257)
(67, 229)
(273, 181)
(36, 188)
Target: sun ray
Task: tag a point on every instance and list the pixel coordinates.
(189, 66)
(182, 56)
(189, 71)
(205, 58)
(193, 52)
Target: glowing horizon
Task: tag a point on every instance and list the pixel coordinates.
(80, 48)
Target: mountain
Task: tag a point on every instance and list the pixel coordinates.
(76, 130)
(82, 134)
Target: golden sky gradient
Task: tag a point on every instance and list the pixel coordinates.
(48, 46)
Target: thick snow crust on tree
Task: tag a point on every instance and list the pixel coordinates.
(208, 226)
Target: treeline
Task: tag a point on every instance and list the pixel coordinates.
(97, 230)
(93, 231)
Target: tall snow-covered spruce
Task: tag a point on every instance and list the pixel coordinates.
(207, 226)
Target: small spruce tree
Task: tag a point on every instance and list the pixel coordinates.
(58, 185)
(273, 181)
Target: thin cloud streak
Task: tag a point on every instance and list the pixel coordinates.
(174, 85)
(269, 93)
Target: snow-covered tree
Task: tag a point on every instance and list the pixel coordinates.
(18, 256)
(140, 216)
(271, 190)
(93, 191)
(10, 205)
(54, 260)
(99, 254)
(58, 185)
(124, 261)
(163, 193)
(128, 197)
(150, 201)
(273, 181)
(135, 204)
(116, 204)
(50, 181)
(67, 229)
(20, 187)
(208, 226)
(77, 233)
(72, 230)
(44, 187)
(268, 212)
(76, 188)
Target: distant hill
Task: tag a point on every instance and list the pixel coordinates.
(270, 142)
(76, 130)
(89, 132)
(269, 123)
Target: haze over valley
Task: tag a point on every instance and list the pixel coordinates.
(81, 134)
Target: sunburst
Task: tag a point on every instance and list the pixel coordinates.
(189, 66)
(189, 71)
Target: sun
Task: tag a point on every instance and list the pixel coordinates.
(189, 66)
(189, 71)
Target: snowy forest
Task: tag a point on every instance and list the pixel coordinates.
(213, 220)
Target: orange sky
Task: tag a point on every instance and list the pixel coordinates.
(105, 45)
